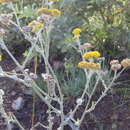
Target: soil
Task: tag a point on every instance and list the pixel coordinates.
(112, 113)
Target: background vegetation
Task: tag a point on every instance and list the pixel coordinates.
(105, 24)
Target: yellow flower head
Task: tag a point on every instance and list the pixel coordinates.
(44, 11)
(35, 25)
(55, 12)
(95, 66)
(82, 64)
(125, 63)
(89, 65)
(0, 57)
(91, 54)
(51, 12)
(2, 1)
(76, 31)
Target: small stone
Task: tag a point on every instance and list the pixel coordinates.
(18, 103)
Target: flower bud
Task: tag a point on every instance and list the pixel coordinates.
(85, 46)
(125, 63)
(114, 62)
(115, 67)
(33, 76)
(2, 31)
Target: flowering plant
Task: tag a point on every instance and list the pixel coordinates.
(38, 33)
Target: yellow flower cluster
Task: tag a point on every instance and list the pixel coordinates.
(2, 1)
(51, 12)
(76, 32)
(91, 54)
(55, 12)
(125, 63)
(0, 57)
(89, 65)
(35, 25)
